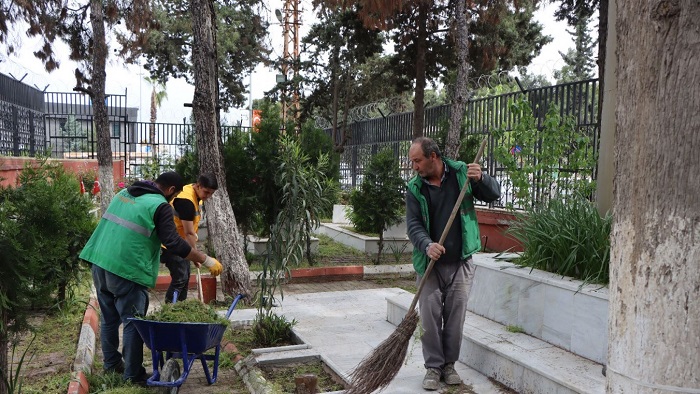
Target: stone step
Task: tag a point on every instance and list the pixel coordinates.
(519, 361)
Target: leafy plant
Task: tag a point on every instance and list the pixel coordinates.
(13, 379)
(566, 236)
(379, 201)
(542, 162)
(270, 329)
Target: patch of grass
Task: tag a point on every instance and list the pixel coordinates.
(282, 377)
(112, 383)
(57, 332)
(365, 233)
(331, 253)
(515, 329)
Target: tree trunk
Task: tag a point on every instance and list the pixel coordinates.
(221, 222)
(654, 315)
(459, 92)
(421, 49)
(99, 106)
(152, 126)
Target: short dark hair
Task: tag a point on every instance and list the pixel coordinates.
(428, 145)
(171, 178)
(208, 180)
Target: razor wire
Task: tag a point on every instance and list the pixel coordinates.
(398, 104)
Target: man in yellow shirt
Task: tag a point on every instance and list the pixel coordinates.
(187, 213)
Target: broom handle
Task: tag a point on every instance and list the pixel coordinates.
(447, 227)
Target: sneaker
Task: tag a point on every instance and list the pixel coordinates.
(450, 375)
(432, 379)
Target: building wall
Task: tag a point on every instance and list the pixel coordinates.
(11, 167)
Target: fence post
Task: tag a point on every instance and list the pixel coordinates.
(32, 137)
(15, 132)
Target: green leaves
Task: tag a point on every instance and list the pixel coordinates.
(379, 201)
(567, 236)
(555, 159)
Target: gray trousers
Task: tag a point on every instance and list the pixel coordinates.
(443, 305)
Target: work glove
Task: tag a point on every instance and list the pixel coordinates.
(214, 266)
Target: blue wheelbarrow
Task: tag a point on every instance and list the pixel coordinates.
(186, 341)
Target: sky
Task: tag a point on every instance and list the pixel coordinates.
(130, 79)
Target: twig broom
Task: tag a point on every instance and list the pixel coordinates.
(380, 367)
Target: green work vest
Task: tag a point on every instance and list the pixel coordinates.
(471, 241)
(125, 242)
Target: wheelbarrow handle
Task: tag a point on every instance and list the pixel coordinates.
(233, 304)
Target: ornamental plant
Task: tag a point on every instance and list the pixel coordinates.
(379, 201)
(566, 236)
(542, 162)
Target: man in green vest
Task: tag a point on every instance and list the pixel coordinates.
(432, 194)
(125, 254)
(187, 212)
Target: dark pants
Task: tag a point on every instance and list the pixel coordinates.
(119, 300)
(179, 275)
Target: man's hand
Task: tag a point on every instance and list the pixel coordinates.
(474, 172)
(214, 266)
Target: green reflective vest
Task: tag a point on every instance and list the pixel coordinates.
(125, 242)
(471, 241)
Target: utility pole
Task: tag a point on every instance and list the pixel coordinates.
(290, 20)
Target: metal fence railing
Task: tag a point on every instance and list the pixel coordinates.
(483, 115)
(33, 121)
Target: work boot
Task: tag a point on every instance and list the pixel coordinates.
(450, 375)
(431, 381)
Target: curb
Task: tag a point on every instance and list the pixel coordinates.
(85, 353)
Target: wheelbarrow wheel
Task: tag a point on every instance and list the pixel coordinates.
(171, 373)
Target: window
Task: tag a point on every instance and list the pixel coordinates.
(116, 130)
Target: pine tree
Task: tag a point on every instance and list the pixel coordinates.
(579, 60)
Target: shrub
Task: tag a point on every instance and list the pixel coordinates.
(270, 329)
(567, 237)
(379, 201)
(544, 162)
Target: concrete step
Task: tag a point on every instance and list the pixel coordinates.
(519, 361)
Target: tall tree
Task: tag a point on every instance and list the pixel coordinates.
(205, 110)
(502, 36)
(654, 318)
(338, 48)
(579, 61)
(240, 47)
(84, 25)
(460, 93)
(157, 97)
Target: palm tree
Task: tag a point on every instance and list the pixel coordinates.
(158, 94)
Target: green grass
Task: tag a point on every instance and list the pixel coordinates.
(57, 332)
(515, 329)
(333, 253)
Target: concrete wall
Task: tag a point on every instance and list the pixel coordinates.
(11, 167)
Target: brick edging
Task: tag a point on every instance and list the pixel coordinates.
(85, 353)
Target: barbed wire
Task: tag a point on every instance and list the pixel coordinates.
(398, 104)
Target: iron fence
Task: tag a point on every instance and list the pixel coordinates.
(483, 115)
(21, 118)
(32, 121)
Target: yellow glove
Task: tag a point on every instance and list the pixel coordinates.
(214, 266)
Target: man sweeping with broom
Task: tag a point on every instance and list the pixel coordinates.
(440, 186)
(430, 199)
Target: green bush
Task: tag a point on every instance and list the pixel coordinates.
(270, 329)
(379, 201)
(44, 224)
(567, 237)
